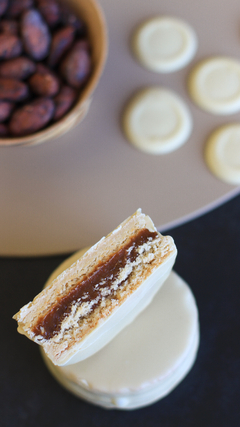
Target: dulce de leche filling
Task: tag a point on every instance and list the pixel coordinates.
(93, 286)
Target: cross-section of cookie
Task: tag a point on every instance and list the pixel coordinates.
(90, 302)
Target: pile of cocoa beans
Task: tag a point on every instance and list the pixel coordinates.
(45, 61)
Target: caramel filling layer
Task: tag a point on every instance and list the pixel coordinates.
(92, 287)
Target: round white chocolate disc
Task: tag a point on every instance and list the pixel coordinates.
(146, 360)
(214, 84)
(156, 120)
(164, 44)
(222, 153)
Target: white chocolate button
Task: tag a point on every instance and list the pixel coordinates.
(222, 153)
(214, 84)
(157, 121)
(120, 402)
(164, 44)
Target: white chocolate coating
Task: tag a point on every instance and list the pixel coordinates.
(214, 84)
(164, 44)
(124, 315)
(146, 360)
(157, 121)
(222, 153)
(119, 297)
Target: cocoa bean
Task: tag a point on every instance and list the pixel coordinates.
(50, 10)
(31, 117)
(13, 90)
(64, 101)
(3, 130)
(5, 110)
(10, 46)
(9, 26)
(18, 68)
(16, 7)
(44, 82)
(35, 34)
(76, 66)
(61, 42)
(3, 6)
(69, 18)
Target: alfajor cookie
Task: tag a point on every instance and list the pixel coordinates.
(147, 360)
(90, 302)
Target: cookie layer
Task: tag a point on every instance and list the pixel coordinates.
(90, 302)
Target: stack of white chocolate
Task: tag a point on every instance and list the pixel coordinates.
(108, 333)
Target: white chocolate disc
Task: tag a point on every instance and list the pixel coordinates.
(146, 360)
(222, 153)
(164, 44)
(157, 120)
(214, 84)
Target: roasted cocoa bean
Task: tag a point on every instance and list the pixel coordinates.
(10, 46)
(3, 6)
(50, 10)
(18, 68)
(64, 101)
(5, 110)
(31, 117)
(44, 82)
(76, 66)
(16, 7)
(3, 130)
(35, 34)
(69, 18)
(13, 90)
(61, 42)
(9, 26)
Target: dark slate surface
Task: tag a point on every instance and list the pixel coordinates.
(208, 259)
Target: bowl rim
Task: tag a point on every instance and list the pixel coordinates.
(69, 120)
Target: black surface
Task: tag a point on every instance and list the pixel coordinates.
(208, 259)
